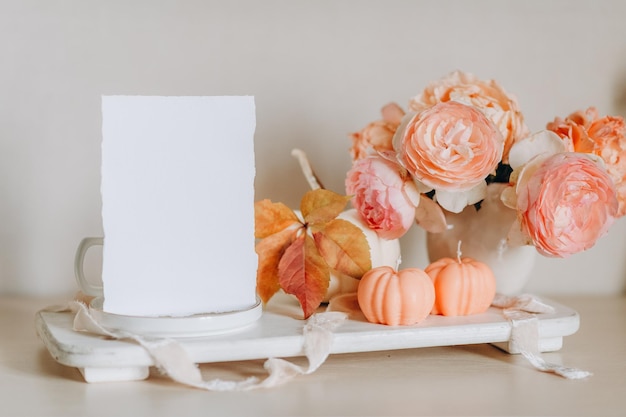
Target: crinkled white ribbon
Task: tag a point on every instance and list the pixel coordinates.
(521, 312)
(172, 359)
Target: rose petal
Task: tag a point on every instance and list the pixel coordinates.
(509, 197)
(399, 135)
(421, 187)
(451, 200)
(476, 194)
(456, 201)
(541, 142)
(392, 113)
(597, 159)
(411, 193)
(522, 175)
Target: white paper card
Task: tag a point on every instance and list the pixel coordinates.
(178, 205)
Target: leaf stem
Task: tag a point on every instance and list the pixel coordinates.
(308, 172)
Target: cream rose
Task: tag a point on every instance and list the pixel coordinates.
(452, 148)
(487, 96)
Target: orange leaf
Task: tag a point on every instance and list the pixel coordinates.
(344, 247)
(270, 250)
(304, 273)
(321, 206)
(270, 218)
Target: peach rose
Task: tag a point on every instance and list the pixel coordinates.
(487, 96)
(377, 136)
(602, 136)
(565, 203)
(450, 147)
(383, 195)
(573, 130)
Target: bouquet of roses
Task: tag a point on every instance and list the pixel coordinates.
(567, 183)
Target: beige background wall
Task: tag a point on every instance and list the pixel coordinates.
(318, 70)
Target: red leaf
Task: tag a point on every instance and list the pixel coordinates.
(270, 250)
(303, 272)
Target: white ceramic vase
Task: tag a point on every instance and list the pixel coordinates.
(483, 236)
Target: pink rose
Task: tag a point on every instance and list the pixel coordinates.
(383, 194)
(487, 96)
(450, 147)
(566, 202)
(377, 136)
(602, 136)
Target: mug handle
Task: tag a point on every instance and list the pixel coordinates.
(87, 287)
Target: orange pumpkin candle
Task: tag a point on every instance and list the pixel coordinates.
(463, 286)
(391, 297)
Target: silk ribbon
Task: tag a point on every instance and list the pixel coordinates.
(521, 311)
(170, 357)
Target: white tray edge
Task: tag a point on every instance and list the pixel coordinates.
(277, 334)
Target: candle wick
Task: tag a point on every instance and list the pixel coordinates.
(458, 251)
(307, 170)
(398, 262)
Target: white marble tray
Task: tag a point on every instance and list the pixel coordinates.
(278, 333)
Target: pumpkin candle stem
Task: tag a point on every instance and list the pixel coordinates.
(398, 262)
(305, 165)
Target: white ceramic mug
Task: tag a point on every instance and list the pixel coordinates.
(86, 286)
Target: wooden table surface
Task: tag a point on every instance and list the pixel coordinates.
(460, 380)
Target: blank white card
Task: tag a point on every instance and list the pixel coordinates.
(178, 205)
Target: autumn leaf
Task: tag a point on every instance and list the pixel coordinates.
(270, 218)
(322, 206)
(303, 272)
(344, 247)
(298, 256)
(270, 250)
